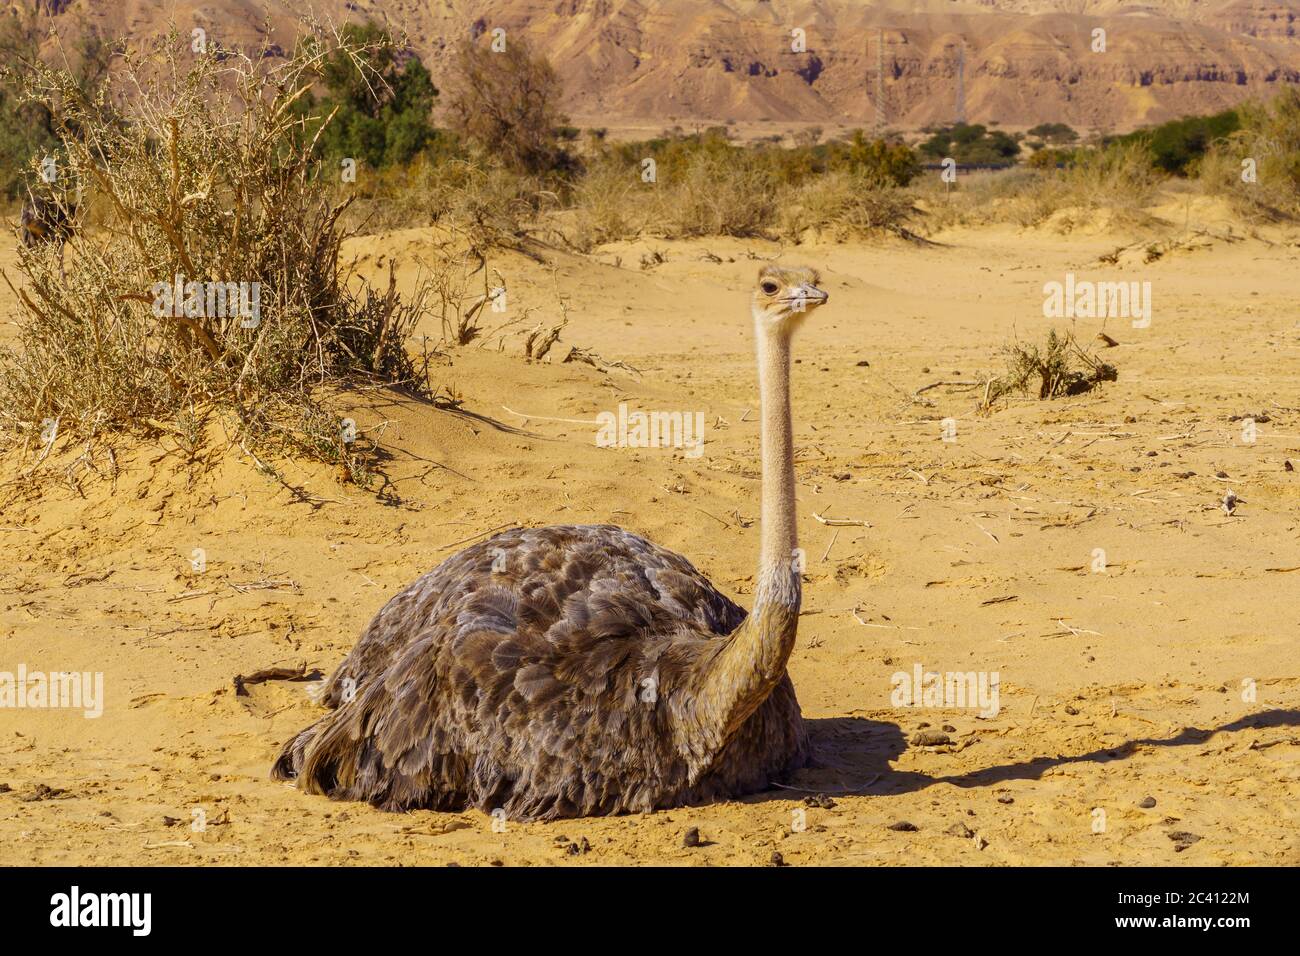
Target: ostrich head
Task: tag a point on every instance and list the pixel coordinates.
(784, 296)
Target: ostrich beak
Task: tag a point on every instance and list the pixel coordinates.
(805, 296)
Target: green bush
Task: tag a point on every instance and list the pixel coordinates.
(1176, 145)
(971, 144)
(1058, 134)
(384, 103)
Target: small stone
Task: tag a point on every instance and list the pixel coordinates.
(863, 363)
(1006, 798)
(40, 792)
(820, 800)
(170, 821)
(1182, 839)
(950, 728)
(930, 738)
(691, 837)
(1146, 803)
(960, 829)
(902, 826)
(1071, 710)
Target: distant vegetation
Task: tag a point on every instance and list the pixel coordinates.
(381, 105)
(28, 127)
(971, 144)
(1175, 146)
(1057, 134)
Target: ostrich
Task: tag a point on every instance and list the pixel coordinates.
(47, 221)
(580, 670)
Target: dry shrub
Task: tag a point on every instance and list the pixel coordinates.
(719, 195)
(610, 203)
(843, 205)
(703, 194)
(490, 206)
(507, 102)
(1119, 179)
(1016, 195)
(200, 167)
(1061, 367)
(1270, 135)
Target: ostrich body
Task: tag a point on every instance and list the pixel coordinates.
(579, 670)
(45, 220)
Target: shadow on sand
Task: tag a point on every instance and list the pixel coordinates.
(853, 755)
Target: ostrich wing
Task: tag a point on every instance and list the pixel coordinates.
(545, 672)
(536, 580)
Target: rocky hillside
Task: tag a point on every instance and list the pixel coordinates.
(1016, 62)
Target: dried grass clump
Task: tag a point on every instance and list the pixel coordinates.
(844, 205)
(720, 195)
(1016, 195)
(703, 193)
(1270, 136)
(612, 202)
(1061, 367)
(201, 171)
(1119, 179)
(489, 206)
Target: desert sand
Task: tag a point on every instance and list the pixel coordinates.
(1172, 673)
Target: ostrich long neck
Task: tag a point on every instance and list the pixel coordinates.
(752, 661)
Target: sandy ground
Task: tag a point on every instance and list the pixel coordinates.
(1116, 685)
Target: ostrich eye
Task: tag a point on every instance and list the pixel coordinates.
(769, 287)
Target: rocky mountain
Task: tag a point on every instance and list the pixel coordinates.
(835, 62)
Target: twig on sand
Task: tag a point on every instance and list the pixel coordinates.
(508, 524)
(274, 673)
(831, 545)
(863, 786)
(546, 418)
(841, 522)
(714, 517)
(1076, 631)
(926, 388)
(884, 627)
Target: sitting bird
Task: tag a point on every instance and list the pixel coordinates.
(580, 670)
